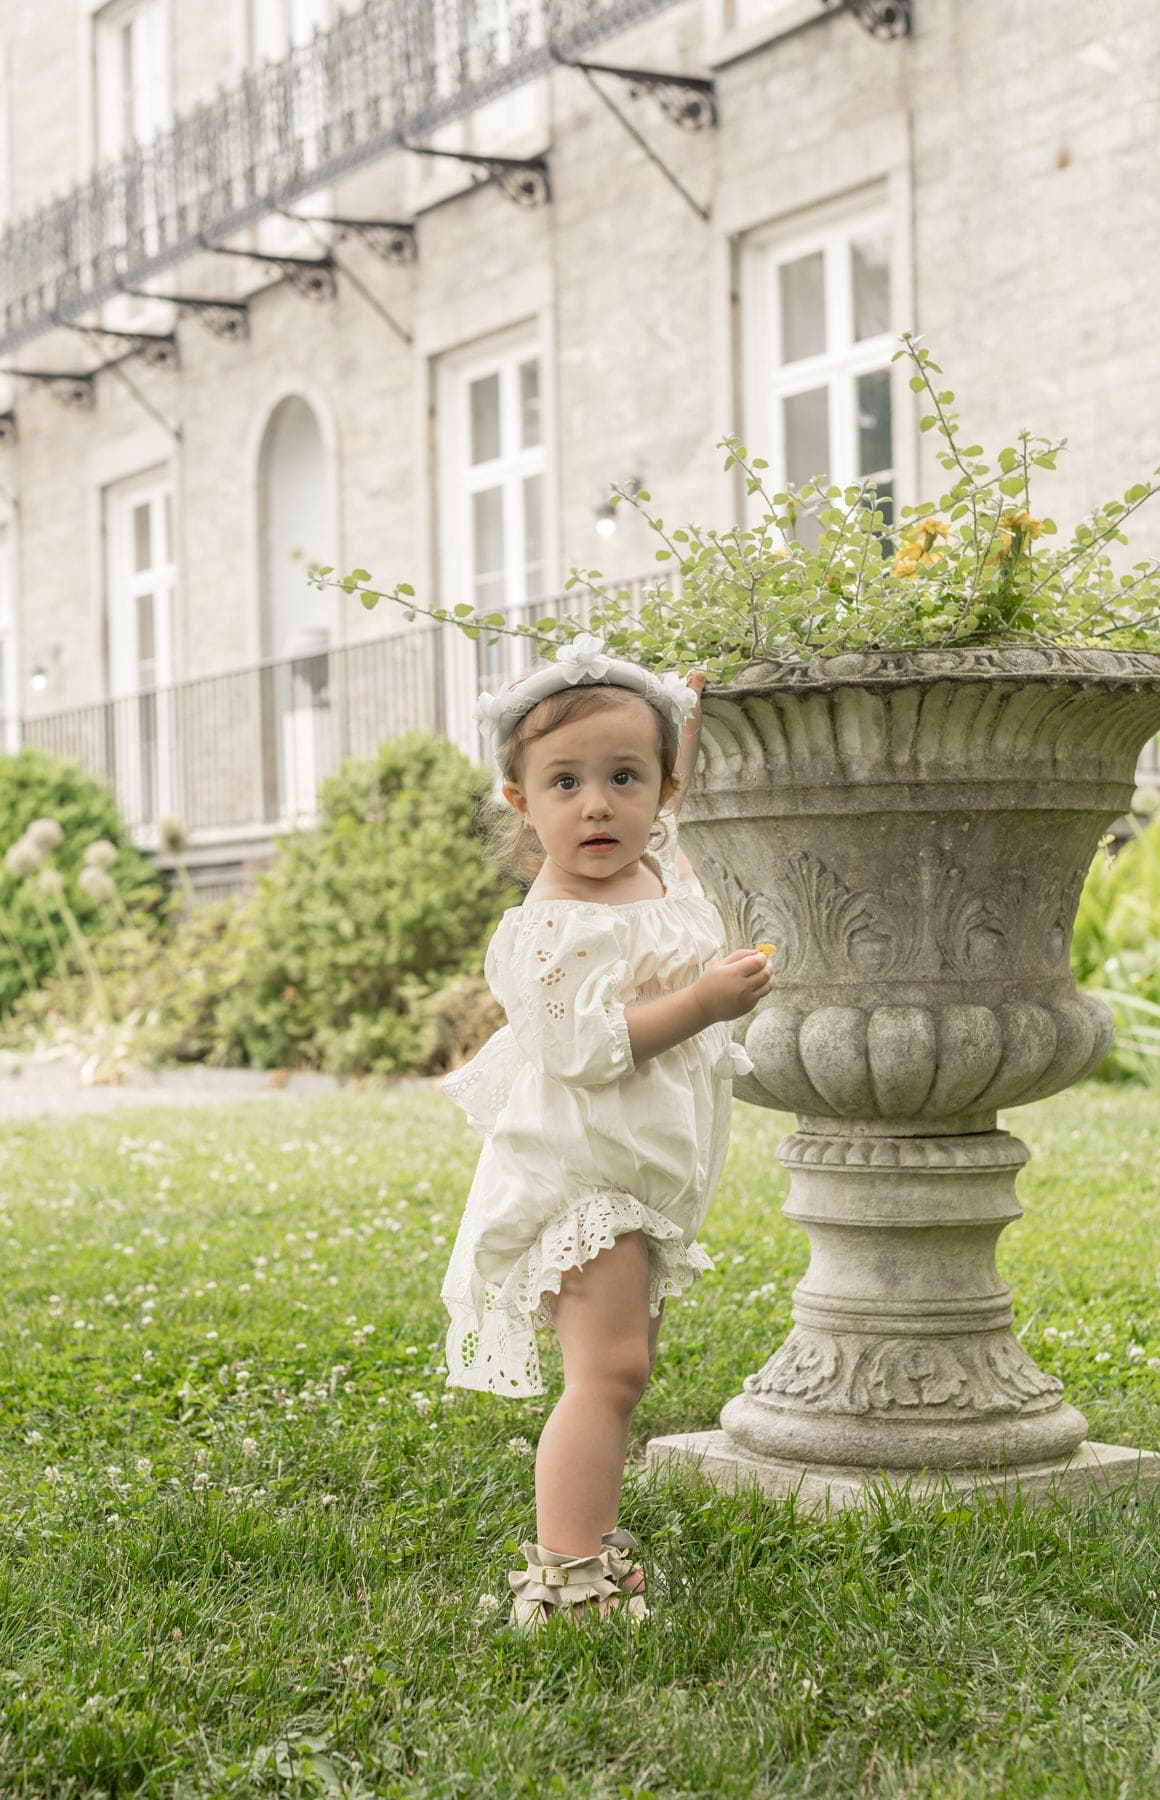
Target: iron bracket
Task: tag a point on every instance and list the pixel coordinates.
(310, 276)
(883, 19)
(686, 100)
(395, 241)
(157, 348)
(225, 318)
(523, 179)
(76, 390)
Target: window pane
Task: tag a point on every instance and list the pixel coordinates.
(487, 548)
(874, 451)
(142, 541)
(485, 418)
(807, 435)
(146, 648)
(871, 271)
(803, 307)
(533, 537)
(529, 404)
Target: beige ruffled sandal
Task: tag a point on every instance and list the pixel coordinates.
(554, 1583)
(618, 1560)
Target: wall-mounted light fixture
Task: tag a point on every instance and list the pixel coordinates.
(38, 674)
(606, 514)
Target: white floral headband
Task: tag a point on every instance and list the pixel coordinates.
(584, 660)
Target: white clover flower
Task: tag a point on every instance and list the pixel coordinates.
(101, 854)
(50, 881)
(487, 1603)
(584, 659)
(249, 1448)
(681, 699)
(34, 1437)
(200, 1480)
(519, 1446)
(1136, 1353)
(422, 1404)
(329, 1500)
(144, 1465)
(23, 857)
(52, 1475)
(46, 834)
(95, 883)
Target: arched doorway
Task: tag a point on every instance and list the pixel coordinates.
(296, 530)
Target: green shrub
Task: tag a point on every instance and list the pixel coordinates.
(164, 992)
(1115, 951)
(363, 918)
(35, 938)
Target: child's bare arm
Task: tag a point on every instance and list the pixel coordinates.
(689, 747)
(727, 990)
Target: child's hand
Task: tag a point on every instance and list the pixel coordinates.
(733, 986)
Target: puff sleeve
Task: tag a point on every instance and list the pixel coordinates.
(563, 980)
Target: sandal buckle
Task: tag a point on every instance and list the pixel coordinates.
(553, 1576)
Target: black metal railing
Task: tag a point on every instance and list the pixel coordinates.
(232, 752)
(380, 77)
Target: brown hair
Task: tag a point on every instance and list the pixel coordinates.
(515, 847)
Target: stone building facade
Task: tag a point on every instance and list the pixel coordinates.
(622, 275)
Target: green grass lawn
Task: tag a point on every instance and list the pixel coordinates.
(252, 1544)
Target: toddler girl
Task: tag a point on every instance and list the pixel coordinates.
(605, 1101)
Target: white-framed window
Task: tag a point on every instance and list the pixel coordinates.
(140, 586)
(9, 647)
(819, 330)
(276, 26)
(132, 75)
(494, 526)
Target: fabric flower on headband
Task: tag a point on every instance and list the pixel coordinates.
(584, 659)
(680, 695)
(489, 709)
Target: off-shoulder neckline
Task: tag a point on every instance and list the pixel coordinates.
(670, 893)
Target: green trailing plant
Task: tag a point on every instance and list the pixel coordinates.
(824, 570)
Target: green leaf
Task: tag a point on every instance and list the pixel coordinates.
(405, 588)
(917, 384)
(1008, 460)
(360, 574)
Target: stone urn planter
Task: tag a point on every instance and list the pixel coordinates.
(912, 831)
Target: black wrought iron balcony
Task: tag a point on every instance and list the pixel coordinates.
(385, 75)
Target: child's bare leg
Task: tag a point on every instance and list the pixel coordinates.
(602, 1321)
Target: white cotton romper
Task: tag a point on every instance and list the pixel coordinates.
(580, 1144)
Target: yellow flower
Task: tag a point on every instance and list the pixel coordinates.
(908, 558)
(928, 528)
(1021, 521)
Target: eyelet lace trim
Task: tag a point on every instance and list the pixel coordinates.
(497, 1352)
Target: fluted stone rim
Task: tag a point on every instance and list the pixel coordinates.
(990, 1150)
(998, 662)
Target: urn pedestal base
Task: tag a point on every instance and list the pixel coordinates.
(1092, 1469)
